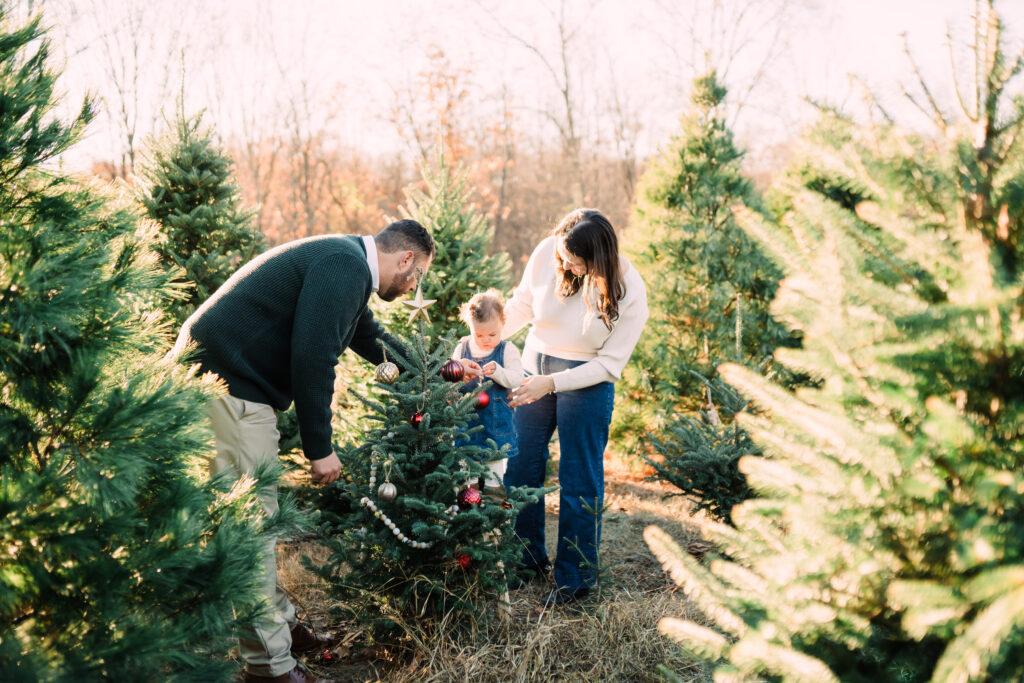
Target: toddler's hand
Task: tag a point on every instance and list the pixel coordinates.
(488, 369)
(471, 369)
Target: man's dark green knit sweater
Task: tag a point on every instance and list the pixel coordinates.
(274, 331)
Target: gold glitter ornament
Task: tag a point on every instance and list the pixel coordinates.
(386, 373)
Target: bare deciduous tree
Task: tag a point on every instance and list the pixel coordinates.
(561, 63)
(431, 111)
(307, 115)
(739, 40)
(140, 47)
(978, 90)
(625, 130)
(251, 123)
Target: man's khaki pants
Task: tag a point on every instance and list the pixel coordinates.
(246, 438)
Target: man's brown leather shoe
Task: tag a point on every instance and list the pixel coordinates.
(296, 675)
(305, 641)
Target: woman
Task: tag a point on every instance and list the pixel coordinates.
(587, 306)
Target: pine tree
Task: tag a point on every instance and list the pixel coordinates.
(888, 541)
(120, 560)
(426, 552)
(710, 285)
(189, 189)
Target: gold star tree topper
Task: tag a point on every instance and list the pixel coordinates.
(419, 305)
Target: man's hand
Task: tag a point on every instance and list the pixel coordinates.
(325, 470)
(470, 368)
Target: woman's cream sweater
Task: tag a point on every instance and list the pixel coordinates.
(564, 328)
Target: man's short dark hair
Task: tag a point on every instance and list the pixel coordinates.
(404, 235)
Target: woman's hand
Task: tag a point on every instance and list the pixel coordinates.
(532, 388)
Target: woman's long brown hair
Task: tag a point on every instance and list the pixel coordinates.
(588, 235)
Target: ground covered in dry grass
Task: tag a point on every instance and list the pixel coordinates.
(611, 637)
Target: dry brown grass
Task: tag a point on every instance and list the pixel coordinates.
(612, 637)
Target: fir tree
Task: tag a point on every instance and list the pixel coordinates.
(888, 542)
(700, 455)
(711, 285)
(463, 265)
(424, 552)
(701, 269)
(120, 560)
(188, 188)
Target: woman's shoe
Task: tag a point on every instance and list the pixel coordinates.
(564, 596)
(531, 572)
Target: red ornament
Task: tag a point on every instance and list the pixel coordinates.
(416, 419)
(468, 497)
(463, 560)
(452, 371)
(483, 400)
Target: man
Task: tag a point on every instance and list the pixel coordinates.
(273, 332)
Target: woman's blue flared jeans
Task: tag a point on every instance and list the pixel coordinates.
(582, 417)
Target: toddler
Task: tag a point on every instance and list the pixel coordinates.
(500, 361)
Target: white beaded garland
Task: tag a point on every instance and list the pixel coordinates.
(451, 512)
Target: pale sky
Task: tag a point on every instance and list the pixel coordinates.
(350, 59)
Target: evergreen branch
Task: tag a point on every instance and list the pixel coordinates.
(697, 639)
(773, 477)
(992, 583)
(698, 584)
(758, 518)
(967, 657)
(843, 439)
(754, 653)
(873, 248)
(926, 605)
(742, 580)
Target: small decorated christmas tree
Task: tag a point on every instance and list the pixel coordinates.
(411, 534)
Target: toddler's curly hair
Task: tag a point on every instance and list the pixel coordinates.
(482, 307)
